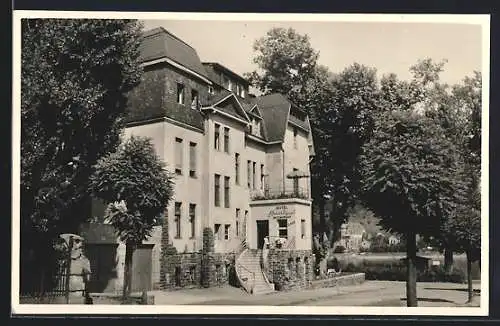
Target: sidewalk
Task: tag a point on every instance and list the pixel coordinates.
(234, 296)
(370, 293)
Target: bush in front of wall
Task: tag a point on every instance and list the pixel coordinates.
(208, 240)
(206, 266)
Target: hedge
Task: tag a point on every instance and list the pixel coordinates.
(383, 271)
(459, 261)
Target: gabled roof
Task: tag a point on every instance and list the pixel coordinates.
(256, 111)
(159, 43)
(275, 109)
(228, 103)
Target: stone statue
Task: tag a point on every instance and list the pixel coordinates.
(79, 273)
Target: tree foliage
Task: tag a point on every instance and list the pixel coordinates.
(136, 186)
(346, 130)
(286, 61)
(75, 75)
(338, 107)
(410, 164)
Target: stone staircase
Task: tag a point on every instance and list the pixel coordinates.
(250, 274)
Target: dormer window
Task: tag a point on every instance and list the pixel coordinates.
(227, 83)
(240, 91)
(211, 90)
(255, 127)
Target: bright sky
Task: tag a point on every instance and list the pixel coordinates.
(389, 47)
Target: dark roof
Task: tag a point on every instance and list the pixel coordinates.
(228, 106)
(217, 66)
(212, 75)
(212, 99)
(274, 109)
(159, 43)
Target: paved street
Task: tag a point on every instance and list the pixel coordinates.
(370, 293)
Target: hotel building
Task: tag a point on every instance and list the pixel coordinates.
(241, 162)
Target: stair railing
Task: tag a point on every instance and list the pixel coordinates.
(250, 288)
(239, 251)
(264, 263)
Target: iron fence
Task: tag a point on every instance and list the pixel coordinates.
(50, 284)
(280, 193)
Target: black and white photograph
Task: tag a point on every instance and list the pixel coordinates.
(202, 163)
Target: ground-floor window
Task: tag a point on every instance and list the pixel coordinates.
(217, 231)
(283, 228)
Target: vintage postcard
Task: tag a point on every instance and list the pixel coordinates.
(202, 163)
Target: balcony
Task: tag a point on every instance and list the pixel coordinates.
(280, 193)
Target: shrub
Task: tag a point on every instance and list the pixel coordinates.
(339, 249)
(208, 240)
(333, 264)
(170, 250)
(396, 271)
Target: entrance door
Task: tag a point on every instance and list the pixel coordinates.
(262, 232)
(142, 268)
(102, 257)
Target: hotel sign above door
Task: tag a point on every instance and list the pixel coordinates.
(282, 211)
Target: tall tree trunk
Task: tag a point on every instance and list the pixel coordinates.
(411, 280)
(331, 238)
(470, 290)
(448, 259)
(127, 277)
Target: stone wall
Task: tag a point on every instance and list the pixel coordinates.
(196, 269)
(291, 269)
(184, 271)
(181, 271)
(222, 268)
(342, 280)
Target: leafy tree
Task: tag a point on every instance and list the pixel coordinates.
(287, 64)
(457, 110)
(346, 129)
(425, 93)
(466, 230)
(338, 107)
(463, 230)
(75, 74)
(136, 186)
(411, 165)
(286, 60)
